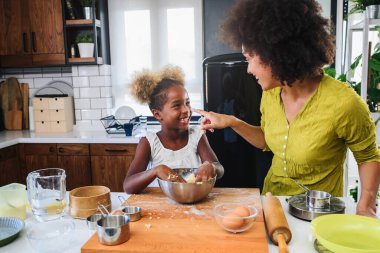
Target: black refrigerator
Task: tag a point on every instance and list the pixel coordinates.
(229, 89)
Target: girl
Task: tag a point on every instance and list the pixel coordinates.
(176, 144)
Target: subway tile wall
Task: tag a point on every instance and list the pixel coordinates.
(92, 91)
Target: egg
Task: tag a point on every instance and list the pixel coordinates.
(233, 221)
(242, 211)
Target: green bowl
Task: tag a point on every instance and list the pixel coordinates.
(9, 229)
(347, 233)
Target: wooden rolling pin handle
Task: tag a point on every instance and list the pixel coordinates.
(282, 246)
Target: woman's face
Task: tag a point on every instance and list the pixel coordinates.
(176, 112)
(262, 72)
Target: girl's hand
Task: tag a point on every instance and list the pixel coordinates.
(205, 172)
(163, 172)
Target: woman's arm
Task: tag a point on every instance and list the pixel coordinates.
(253, 134)
(369, 174)
(207, 155)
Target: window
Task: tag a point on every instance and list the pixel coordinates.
(149, 34)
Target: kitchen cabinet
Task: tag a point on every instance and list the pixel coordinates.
(31, 33)
(9, 165)
(97, 26)
(110, 163)
(73, 158)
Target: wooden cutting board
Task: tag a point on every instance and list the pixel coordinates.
(167, 226)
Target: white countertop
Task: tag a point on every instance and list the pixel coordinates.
(302, 237)
(8, 138)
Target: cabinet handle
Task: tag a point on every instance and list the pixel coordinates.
(24, 38)
(51, 149)
(61, 150)
(116, 150)
(34, 46)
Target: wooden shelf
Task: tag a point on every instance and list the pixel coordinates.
(86, 60)
(79, 22)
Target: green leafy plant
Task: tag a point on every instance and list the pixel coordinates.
(373, 93)
(87, 3)
(84, 37)
(359, 6)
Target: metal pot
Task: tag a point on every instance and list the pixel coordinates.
(113, 229)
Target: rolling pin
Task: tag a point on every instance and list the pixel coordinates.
(277, 225)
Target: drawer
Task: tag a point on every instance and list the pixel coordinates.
(57, 114)
(40, 103)
(59, 103)
(61, 126)
(40, 149)
(73, 149)
(42, 126)
(113, 149)
(41, 115)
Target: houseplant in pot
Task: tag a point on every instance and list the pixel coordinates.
(372, 7)
(88, 6)
(85, 42)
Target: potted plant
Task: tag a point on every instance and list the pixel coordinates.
(372, 7)
(87, 6)
(85, 42)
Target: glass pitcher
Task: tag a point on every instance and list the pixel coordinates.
(47, 193)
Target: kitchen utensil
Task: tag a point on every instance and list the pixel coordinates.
(133, 212)
(84, 201)
(25, 105)
(13, 201)
(50, 236)
(303, 187)
(9, 229)
(92, 221)
(113, 229)
(235, 217)
(275, 220)
(14, 117)
(318, 199)
(347, 233)
(47, 193)
(299, 208)
(186, 192)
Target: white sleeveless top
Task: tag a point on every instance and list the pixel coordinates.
(186, 157)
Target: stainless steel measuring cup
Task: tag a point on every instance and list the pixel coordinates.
(113, 229)
(318, 199)
(133, 212)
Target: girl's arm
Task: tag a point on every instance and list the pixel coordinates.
(209, 160)
(369, 174)
(138, 178)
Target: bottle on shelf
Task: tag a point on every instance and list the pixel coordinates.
(72, 51)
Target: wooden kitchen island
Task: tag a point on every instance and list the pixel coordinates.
(167, 226)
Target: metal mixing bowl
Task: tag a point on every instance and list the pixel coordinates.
(187, 192)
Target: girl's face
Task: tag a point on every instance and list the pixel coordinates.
(262, 72)
(176, 112)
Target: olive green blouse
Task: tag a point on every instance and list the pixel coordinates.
(312, 148)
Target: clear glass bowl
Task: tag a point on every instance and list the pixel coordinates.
(235, 217)
(50, 236)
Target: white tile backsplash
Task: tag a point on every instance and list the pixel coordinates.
(82, 81)
(89, 92)
(91, 86)
(88, 70)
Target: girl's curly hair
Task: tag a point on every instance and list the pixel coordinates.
(151, 87)
(290, 36)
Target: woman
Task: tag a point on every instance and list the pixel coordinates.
(308, 119)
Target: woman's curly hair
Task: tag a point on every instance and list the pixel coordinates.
(151, 87)
(290, 36)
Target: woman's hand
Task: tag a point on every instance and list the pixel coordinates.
(165, 173)
(205, 172)
(213, 120)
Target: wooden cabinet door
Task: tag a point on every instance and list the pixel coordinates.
(9, 166)
(39, 156)
(14, 34)
(75, 160)
(110, 163)
(46, 31)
